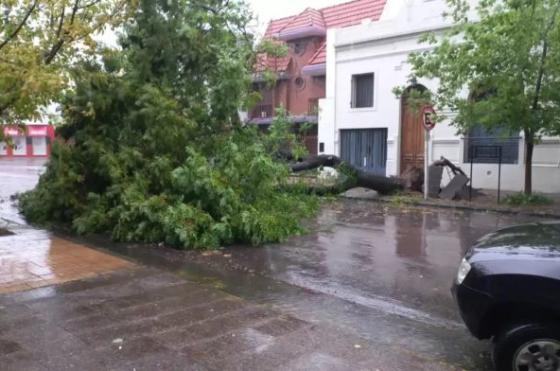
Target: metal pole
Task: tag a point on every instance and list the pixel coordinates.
(426, 160)
(471, 158)
(499, 172)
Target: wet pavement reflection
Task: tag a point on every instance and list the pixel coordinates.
(31, 257)
(366, 251)
(34, 259)
(368, 279)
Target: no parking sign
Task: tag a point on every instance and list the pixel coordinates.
(428, 117)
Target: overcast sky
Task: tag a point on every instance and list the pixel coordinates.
(266, 10)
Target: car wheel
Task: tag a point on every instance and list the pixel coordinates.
(528, 347)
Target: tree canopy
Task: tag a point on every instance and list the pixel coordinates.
(153, 147)
(499, 67)
(40, 41)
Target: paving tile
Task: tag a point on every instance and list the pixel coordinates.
(207, 330)
(20, 324)
(317, 361)
(165, 361)
(8, 346)
(129, 350)
(20, 361)
(281, 326)
(49, 261)
(44, 337)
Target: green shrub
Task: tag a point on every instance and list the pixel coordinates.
(522, 199)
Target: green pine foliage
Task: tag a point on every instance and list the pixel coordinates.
(153, 147)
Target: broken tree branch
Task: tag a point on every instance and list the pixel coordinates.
(356, 177)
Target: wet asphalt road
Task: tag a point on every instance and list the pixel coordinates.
(365, 271)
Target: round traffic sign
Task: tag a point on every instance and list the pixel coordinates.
(428, 117)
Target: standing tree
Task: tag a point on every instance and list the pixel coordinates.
(509, 60)
(40, 40)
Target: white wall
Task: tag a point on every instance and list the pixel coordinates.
(382, 48)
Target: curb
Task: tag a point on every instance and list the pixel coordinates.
(541, 214)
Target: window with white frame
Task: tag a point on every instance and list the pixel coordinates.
(362, 90)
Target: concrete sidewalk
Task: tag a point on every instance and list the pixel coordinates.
(145, 319)
(485, 201)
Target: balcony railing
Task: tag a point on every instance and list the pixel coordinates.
(262, 111)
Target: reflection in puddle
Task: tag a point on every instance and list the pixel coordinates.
(33, 258)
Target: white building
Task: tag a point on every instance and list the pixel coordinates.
(363, 121)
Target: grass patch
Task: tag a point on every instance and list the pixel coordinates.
(522, 199)
(400, 199)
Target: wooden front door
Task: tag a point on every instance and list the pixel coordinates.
(412, 138)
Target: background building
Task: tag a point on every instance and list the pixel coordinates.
(363, 121)
(33, 141)
(301, 73)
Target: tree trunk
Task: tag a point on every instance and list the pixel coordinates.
(357, 178)
(529, 145)
(313, 162)
(381, 184)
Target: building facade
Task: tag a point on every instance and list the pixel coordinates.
(33, 141)
(300, 75)
(364, 122)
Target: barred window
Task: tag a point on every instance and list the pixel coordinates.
(483, 146)
(362, 90)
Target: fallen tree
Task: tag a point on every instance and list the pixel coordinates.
(350, 176)
(152, 147)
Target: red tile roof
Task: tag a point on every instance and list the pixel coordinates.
(320, 56)
(275, 25)
(308, 18)
(352, 13)
(267, 62)
(336, 16)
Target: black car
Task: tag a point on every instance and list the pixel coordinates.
(508, 289)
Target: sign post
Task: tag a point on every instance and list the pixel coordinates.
(429, 122)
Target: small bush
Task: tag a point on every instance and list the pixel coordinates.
(522, 199)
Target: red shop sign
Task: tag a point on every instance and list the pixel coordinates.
(12, 132)
(37, 131)
(32, 131)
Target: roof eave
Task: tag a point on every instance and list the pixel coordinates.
(301, 32)
(319, 69)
